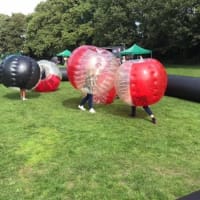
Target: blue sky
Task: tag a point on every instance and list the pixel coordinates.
(15, 6)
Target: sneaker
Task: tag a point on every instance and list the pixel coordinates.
(24, 99)
(92, 110)
(81, 107)
(153, 119)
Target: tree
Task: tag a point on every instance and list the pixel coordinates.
(12, 33)
(67, 27)
(44, 29)
(169, 27)
(78, 21)
(3, 33)
(114, 23)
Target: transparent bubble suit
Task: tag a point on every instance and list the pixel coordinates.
(92, 70)
(141, 82)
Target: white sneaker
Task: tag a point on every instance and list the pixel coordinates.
(24, 99)
(81, 107)
(92, 110)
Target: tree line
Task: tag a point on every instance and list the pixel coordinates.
(170, 28)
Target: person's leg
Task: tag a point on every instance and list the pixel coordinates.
(133, 111)
(148, 110)
(23, 94)
(83, 101)
(90, 103)
(150, 113)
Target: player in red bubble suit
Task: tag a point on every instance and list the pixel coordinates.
(141, 82)
(50, 76)
(92, 70)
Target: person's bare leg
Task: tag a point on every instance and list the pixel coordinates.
(23, 94)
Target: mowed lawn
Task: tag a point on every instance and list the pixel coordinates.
(50, 150)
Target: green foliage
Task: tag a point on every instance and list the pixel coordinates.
(59, 25)
(12, 33)
(112, 23)
(44, 29)
(170, 28)
(51, 150)
(78, 22)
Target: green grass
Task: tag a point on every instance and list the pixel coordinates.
(50, 150)
(184, 70)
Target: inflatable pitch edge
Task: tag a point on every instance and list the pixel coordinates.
(192, 196)
(184, 87)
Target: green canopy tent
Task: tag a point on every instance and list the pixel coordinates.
(135, 50)
(65, 53)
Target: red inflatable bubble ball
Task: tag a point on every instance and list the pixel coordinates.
(50, 77)
(141, 82)
(106, 98)
(92, 70)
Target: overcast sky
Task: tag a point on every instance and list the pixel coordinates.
(18, 6)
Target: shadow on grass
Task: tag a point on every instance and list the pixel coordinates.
(15, 95)
(123, 110)
(72, 103)
(120, 110)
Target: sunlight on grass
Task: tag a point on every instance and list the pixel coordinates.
(40, 147)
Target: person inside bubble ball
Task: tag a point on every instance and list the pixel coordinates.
(88, 89)
(147, 110)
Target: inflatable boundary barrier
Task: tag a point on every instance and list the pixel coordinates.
(192, 196)
(184, 87)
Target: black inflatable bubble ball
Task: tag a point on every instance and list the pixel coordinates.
(19, 71)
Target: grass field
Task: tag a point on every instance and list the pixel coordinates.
(50, 150)
(184, 70)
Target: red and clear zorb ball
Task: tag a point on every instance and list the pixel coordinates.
(92, 70)
(50, 76)
(141, 82)
(107, 98)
